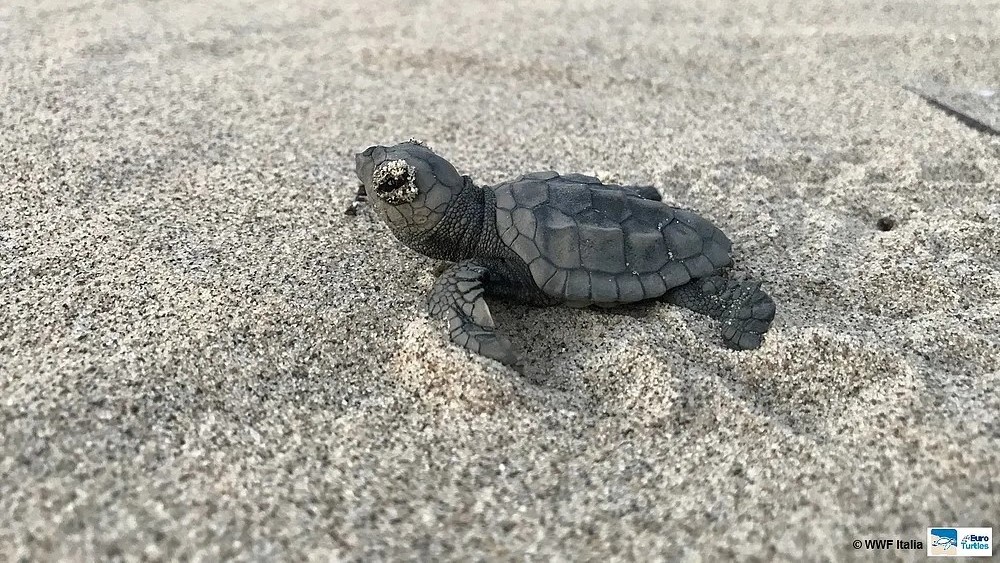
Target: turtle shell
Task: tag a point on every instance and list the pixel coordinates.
(588, 242)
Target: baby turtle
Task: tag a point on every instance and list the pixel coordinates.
(547, 238)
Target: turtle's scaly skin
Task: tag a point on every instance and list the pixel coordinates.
(547, 239)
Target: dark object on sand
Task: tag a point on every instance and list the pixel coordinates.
(546, 239)
(886, 223)
(360, 199)
(977, 108)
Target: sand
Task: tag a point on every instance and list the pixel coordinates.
(202, 357)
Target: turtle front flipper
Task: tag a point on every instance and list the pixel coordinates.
(360, 198)
(745, 310)
(457, 298)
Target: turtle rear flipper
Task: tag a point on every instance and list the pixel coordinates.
(457, 299)
(743, 308)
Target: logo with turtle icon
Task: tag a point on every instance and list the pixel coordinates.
(943, 541)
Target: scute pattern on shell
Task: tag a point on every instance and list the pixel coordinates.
(587, 241)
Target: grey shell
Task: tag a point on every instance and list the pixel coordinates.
(585, 241)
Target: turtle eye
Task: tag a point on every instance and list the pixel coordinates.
(395, 181)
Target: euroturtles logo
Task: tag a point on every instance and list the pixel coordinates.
(960, 542)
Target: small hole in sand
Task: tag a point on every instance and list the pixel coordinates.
(885, 223)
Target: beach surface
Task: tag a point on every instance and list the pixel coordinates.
(201, 356)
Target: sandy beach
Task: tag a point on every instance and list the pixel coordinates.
(202, 357)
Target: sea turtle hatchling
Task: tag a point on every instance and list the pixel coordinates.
(547, 238)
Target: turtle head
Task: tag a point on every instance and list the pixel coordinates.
(409, 185)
